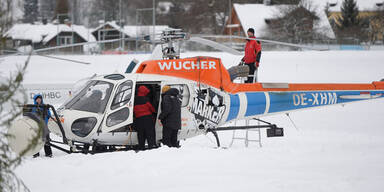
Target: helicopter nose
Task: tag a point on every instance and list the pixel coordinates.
(22, 132)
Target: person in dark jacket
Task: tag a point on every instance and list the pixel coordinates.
(144, 121)
(252, 55)
(45, 115)
(170, 117)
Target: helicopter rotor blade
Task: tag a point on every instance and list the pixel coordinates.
(64, 59)
(42, 55)
(264, 40)
(85, 43)
(215, 45)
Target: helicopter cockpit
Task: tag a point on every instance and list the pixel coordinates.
(92, 98)
(100, 105)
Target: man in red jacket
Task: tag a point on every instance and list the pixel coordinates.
(252, 55)
(144, 120)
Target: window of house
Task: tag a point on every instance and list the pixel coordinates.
(65, 40)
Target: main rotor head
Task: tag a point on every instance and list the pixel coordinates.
(167, 38)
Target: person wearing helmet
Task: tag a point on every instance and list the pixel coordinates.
(252, 55)
(144, 121)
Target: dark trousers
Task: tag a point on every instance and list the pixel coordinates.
(47, 149)
(170, 137)
(252, 69)
(145, 131)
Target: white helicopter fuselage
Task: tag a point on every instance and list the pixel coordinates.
(108, 129)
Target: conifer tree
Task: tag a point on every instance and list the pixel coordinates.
(350, 25)
(349, 14)
(31, 11)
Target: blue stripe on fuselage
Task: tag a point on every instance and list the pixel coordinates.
(234, 107)
(256, 103)
(285, 101)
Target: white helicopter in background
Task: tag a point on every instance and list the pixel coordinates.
(99, 116)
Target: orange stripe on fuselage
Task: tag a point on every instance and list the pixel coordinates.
(210, 71)
(235, 88)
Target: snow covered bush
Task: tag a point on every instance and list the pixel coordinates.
(11, 98)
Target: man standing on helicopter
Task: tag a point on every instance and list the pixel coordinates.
(252, 55)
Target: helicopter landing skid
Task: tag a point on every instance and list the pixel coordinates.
(94, 148)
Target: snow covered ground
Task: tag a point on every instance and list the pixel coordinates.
(331, 149)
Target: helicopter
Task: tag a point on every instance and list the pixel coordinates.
(100, 113)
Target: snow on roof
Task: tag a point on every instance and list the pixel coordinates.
(363, 5)
(134, 30)
(254, 15)
(44, 33)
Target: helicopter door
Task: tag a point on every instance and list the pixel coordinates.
(120, 112)
(184, 96)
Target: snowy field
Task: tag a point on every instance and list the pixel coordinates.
(339, 148)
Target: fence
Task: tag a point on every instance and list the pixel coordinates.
(133, 46)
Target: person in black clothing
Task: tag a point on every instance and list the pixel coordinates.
(144, 120)
(170, 117)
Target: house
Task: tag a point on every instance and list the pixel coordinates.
(48, 35)
(372, 12)
(131, 33)
(261, 16)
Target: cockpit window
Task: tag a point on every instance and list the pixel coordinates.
(92, 98)
(123, 95)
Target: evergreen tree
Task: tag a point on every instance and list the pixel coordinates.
(31, 11)
(47, 9)
(350, 25)
(349, 14)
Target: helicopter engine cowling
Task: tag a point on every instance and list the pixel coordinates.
(21, 134)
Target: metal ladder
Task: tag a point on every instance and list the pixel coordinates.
(247, 123)
(246, 137)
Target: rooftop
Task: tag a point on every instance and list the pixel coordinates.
(134, 30)
(44, 33)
